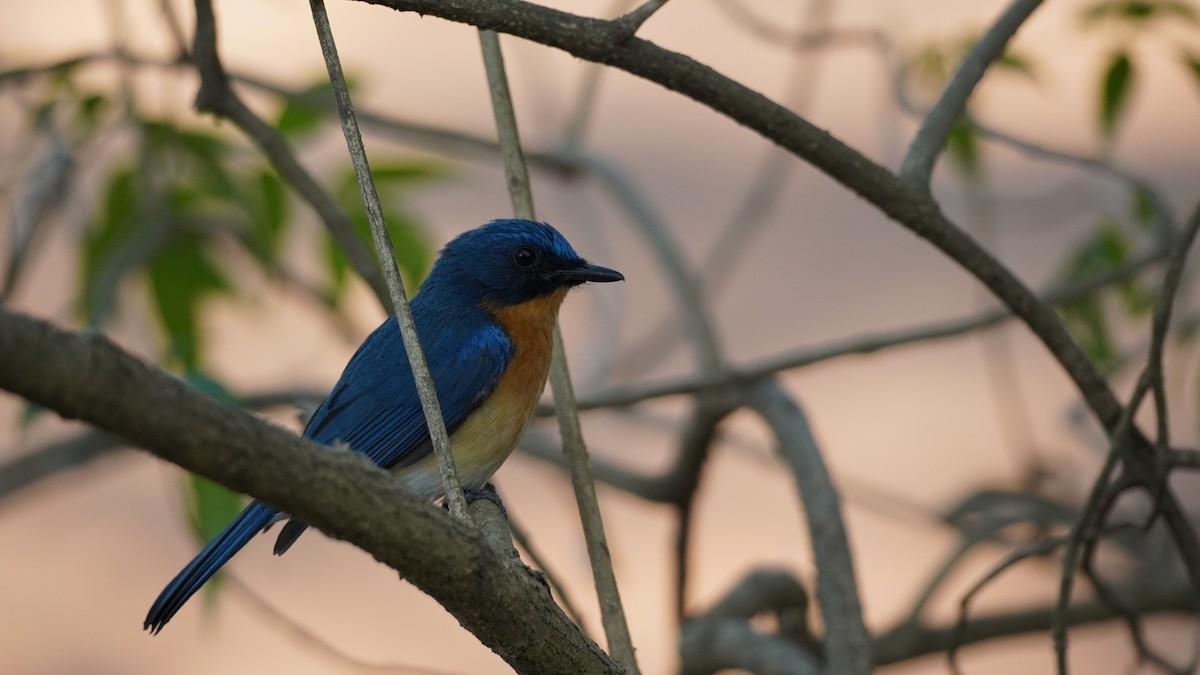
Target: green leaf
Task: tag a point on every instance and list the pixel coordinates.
(181, 276)
(103, 245)
(1086, 320)
(268, 212)
(303, 115)
(1114, 95)
(212, 386)
(1138, 12)
(1192, 63)
(1142, 209)
(413, 251)
(212, 506)
(1013, 62)
(30, 412)
(962, 147)
(338, 267)
(90, 110)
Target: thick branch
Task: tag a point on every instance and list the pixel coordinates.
(85, 376)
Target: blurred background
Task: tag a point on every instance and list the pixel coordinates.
(127, 212)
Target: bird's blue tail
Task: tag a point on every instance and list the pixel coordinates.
(240, 530)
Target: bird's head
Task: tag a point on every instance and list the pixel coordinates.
(509, 262)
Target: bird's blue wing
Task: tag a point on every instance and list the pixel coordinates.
(374, 408)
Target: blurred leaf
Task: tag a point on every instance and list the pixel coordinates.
(1142, 209)
(104, 242)
(181, 276)
(932, 65)
(1013, 62)
(1086, 320)
(962, 147)
(212, 386)
(302, 115)
(268, 215)
(1193, 65)
(299, 118)
(1114, 95)
(1106, 249)
(212, 506)
(338, 267)
(201, 161)
(413, 252)
(1138, 12)
(89, 112)
(30, 412)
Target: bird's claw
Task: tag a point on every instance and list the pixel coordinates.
(488, 492)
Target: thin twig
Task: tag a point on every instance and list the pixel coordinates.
(917, 165)
(616, 628)
(632, 21)
(387, 256)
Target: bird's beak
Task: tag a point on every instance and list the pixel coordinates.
(588, 272)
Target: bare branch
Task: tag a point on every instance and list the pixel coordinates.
(917, 166)
(713, 644)
(847, 642)
(70, 453)
(908, 642)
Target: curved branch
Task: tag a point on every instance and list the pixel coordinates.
(847, 642)
(935, 129)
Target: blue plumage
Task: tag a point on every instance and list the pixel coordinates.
(484, 311)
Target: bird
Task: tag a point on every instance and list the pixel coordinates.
(485, 317)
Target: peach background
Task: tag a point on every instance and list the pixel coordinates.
(83, 554)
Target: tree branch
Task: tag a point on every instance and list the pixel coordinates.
(847, 642)
(931, 137)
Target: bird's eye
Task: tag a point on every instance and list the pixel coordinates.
(524, 257)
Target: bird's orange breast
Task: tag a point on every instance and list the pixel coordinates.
(489, 434)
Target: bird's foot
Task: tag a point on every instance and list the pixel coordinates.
(488, 492)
